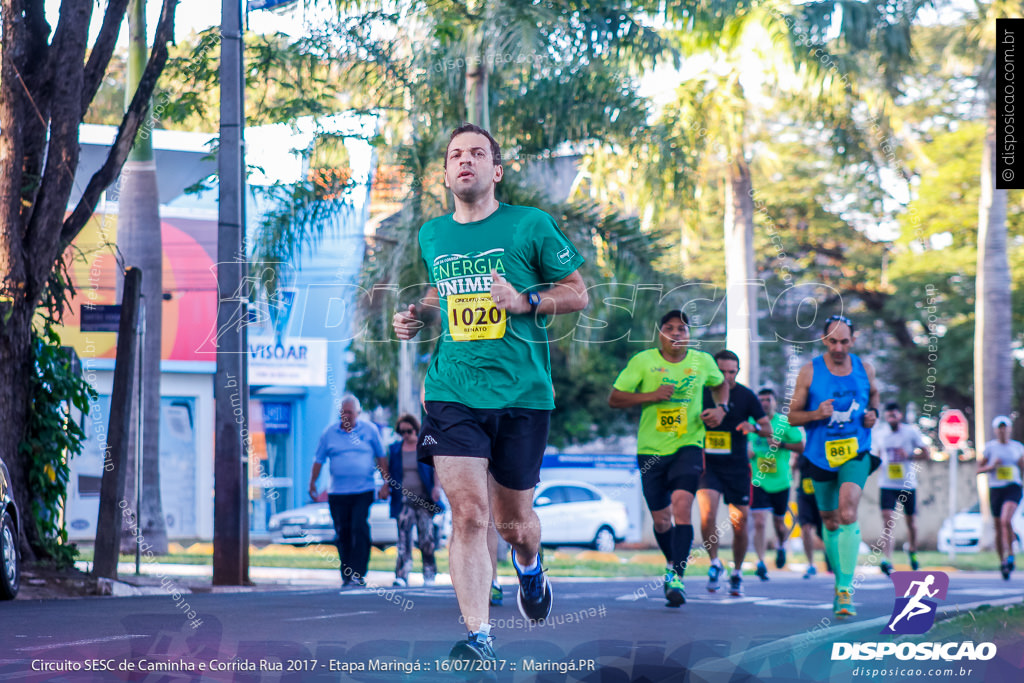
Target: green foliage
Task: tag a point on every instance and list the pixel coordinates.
(52, 438)
(950, 187)
(285, 79)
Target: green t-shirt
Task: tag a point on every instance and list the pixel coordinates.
(485, 357)
(667, 426)
(770, 466)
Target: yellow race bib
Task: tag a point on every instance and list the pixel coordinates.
(808, 485)
(1004, 473)
(718, 442)
(472, 317)
(895, 471)
(766, 465)
(841, 450)
(672, 420)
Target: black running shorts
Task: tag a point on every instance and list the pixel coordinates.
(890, 498)
(513, 440)
(729, 476)
(807, 505)
(762, 500)
(1002, 494)
(660, 475)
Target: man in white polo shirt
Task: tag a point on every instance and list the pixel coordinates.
(898, 444)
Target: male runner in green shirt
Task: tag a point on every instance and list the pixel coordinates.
(669, 382)
(496, 272)
(771, 478)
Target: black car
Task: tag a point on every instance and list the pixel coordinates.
(10, 572)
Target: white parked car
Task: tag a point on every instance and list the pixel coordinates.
(963, 530)
(574, 513)
(313, 524)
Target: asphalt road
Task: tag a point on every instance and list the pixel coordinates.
(600, 630)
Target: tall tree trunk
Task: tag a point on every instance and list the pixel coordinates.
(15, 365)
(14, 330)
(742, 292)
(139, 239)
(477, 101)
(45, 89)
(993, 363)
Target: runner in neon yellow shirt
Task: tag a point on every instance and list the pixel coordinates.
(669, 382)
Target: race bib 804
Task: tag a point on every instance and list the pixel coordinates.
(672, 420)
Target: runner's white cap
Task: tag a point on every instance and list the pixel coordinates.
(1001, 420)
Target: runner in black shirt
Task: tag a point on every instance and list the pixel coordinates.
(727, 471)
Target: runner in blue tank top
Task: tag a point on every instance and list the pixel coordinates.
(836, 401)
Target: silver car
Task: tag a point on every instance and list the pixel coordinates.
(576, 513)
(963, 530)
(313, 524)
(10, 568)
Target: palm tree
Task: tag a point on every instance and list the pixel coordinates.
(808, 45)
(552, 79)
(993, 362)
(140, 244)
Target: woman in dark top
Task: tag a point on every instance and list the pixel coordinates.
(414, 502)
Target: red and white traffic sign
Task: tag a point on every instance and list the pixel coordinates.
(953, 429)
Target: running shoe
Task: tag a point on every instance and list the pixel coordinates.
(843, 604)
(675, 593)
(762, 571)
(885, 567)
(1004, 569)
(914, 564)
(534, 596)
(399, 582)
(780, 558)
(497, 597)
(811, 571)
(475, 648)
(714, 574)
(1009, 562)
(429, 580)
(736, 585)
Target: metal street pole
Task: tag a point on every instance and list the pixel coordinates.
(141, 365)
(230, 566)
(954, 461)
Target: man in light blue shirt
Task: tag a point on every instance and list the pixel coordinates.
(352, 447)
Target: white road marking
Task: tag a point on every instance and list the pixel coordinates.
(90, 641)
(329, 616)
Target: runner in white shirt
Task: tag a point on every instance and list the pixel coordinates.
(898, 445)
(1003, 460)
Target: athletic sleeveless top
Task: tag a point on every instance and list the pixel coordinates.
(835, 440)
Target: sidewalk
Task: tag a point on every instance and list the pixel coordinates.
(155, 578)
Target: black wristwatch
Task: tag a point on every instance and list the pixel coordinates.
(723, 406)
(533, 298)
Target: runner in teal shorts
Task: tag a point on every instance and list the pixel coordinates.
(836, 401)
